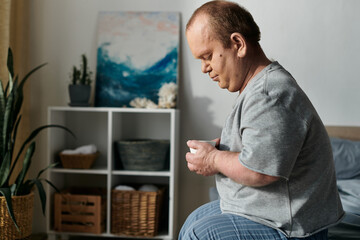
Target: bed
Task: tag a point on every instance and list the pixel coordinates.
(345, 142)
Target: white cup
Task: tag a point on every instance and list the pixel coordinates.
(192, 150)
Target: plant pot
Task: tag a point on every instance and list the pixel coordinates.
(23, 211)
(79, 95)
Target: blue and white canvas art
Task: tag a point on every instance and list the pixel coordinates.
(137, 54)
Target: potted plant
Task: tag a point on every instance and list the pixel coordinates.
(16, 199)
(80, 89)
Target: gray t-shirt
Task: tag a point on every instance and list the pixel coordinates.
(278, 133)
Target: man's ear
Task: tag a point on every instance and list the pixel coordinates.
(239, 43)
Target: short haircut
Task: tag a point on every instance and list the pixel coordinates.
(226, 18)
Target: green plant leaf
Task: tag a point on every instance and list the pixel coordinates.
(7, 127)
(12, 189)
(26, 165)
(16, 128)
(2, 97)
(10, 86)
(7, 194)
(7, 85)
(52, 185)
(19, 90)
(2, 109)
(33, 134)
(18, 99)
(84, 70)
(10, 62)
(41, 194)
(5, 169)
(21, 85)
(43, 170)
(75, 75)
(41, 190)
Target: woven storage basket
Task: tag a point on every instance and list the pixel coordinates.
(143, 154)
(80, 210)
(135, 213)
(23, 211)
(84, 161)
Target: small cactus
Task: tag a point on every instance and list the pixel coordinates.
(83, 75)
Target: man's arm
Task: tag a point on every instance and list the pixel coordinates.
(208, 161)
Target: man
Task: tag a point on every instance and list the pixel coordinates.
(274, 167)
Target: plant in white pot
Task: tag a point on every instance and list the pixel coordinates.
(16, 199)
(80, 87)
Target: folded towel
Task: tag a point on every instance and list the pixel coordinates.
(69, 152)
(86, 149)
(124, 188)
(148, 188)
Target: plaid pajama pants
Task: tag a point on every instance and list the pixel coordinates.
(208, 223)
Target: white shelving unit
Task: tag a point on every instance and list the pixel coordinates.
(102, 127)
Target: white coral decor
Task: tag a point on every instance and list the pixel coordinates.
(167, 98)
(142, 103)
(167, 95)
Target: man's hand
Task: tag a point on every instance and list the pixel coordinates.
(202, 162)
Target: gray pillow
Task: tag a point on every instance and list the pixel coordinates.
(349, 191)
(347, 158)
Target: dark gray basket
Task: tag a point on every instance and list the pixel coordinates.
(143, 155)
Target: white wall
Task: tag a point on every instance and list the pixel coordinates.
(316, 40)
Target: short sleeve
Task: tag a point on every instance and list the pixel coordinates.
(272, 135)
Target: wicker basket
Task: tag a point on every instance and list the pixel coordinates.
(84, 161)
(143, 154)
(23, 211)
(135, 213)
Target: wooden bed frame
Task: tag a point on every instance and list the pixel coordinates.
(351, 132)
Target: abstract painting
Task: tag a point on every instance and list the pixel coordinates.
(137, 53)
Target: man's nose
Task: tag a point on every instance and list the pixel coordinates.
(205, 67)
